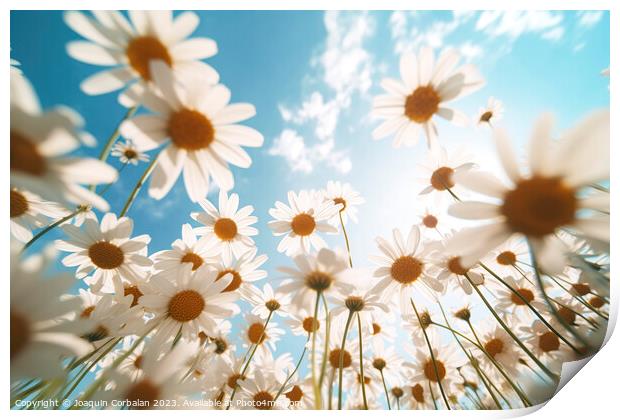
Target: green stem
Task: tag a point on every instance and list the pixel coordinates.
(341, 358)
(52, 226)
(138, 187)
(430, 349)
(303, 353)
(387, 396)
(346, 239)
(326, 344)
(315, 385)
(359, 332)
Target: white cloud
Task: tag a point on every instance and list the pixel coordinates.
(470, 50)
(554, 34)
(589, 18)
(516, 23)
(344, 69)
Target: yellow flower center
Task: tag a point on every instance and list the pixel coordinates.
(295, 394)
(186, 306)
(340, 200)
(233, 379)
(18, 204)
(581, 289)
(20, 333)
(422, 104)
(190, 130)
(263, 400)
(142, 50)
(143, 393)
(494, 347)
(130, 154)
(506, 258)
(137, 363)
(486, 116)
(234, 284)
(455, 266)
(526, 297)
(429, 370)
(441, 179)
(25, 157)
(133, 291)
(106, 255)
(548, 342)
(334, 359)
(225, 229)
(303, 224)
(418, 393)
(257, 333)
(567, 315)
(310, 324)
(406, 269)
(538, 206)
(318, 281)
(430, 221)
(397, 392)
(193, 258)
(376, 328)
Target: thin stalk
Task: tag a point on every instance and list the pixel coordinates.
(554, 311)
(52, 226)
(303, 353)
(387, 395)
(346, 239)
(430, 349)
(326, 344)
(509, 331)
(315, 385)
(138, 187)
(341, 361)
(359, 332)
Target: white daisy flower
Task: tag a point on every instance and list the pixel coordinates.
(30, 212)
(501, 347)
(352, 382)
(40, 142)
(344, 194)
(189, 302)
(131, 365)
(266, 301)
(403, 268)
(448, 358)
(387, 361)
(547, 200)
(301, 221)
(547, 346)
(424, 91)
(107, 251)
(514, 306)
(300, 395)
(419, 397)
(197, 126)
(163, 379)
(244, 270)
(41, 332)
(439, 175)
(253, 332)
(302, 322)
(416, 326)
(130, 45)
(259, 393)
(491, 113)
(451, 271)
(512, 253)
(128, 154)
(320, 273)
(382, 327)
(230, 225)
(217, 345)
(187, 250)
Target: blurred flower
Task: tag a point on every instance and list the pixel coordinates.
(426, 87)
(129, 46)
(547, 200)
(30, 212)
(40, 142)
(201, 128)
(343, 193)
(301, 221)
(490, 114)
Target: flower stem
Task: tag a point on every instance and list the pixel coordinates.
(509, 331)
(387, 395)
(430, 349)
(52, 226)
(138, 187)
(341, 358)
(359, 332)
(346, 239)
(303, 353)
(315, 385)
(326, 344)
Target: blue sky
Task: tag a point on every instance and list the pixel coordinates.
(312, 75)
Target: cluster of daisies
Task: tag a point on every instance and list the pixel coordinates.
(478, 313)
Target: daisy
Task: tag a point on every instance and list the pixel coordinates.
(267, 301)
(254, 333)
(447, 359)
(127, 153)
(515, 306)
(417, 325)
(218, 345)
(402, 268)
(439, 175)
(259, 392)
(419, 397)
(546, 346)
(451, 271)
(301, 221)
(382, 327)
(345, 195)
(162, 380)
(320, 273)
(129, 46)
(424, 91)
(245, 270)
(279, 367)
(547, 200)
(190, 302)
(197, 127)
(30, 212)
(512, 253)
(187, 250)
(131, 365)
(490, 114)
(356, 301)
(498, 344)
(386, 361)
(300, 395)
(107, 251)
(40, 142)
(41, 332)
(352, 382)
(231, 226)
